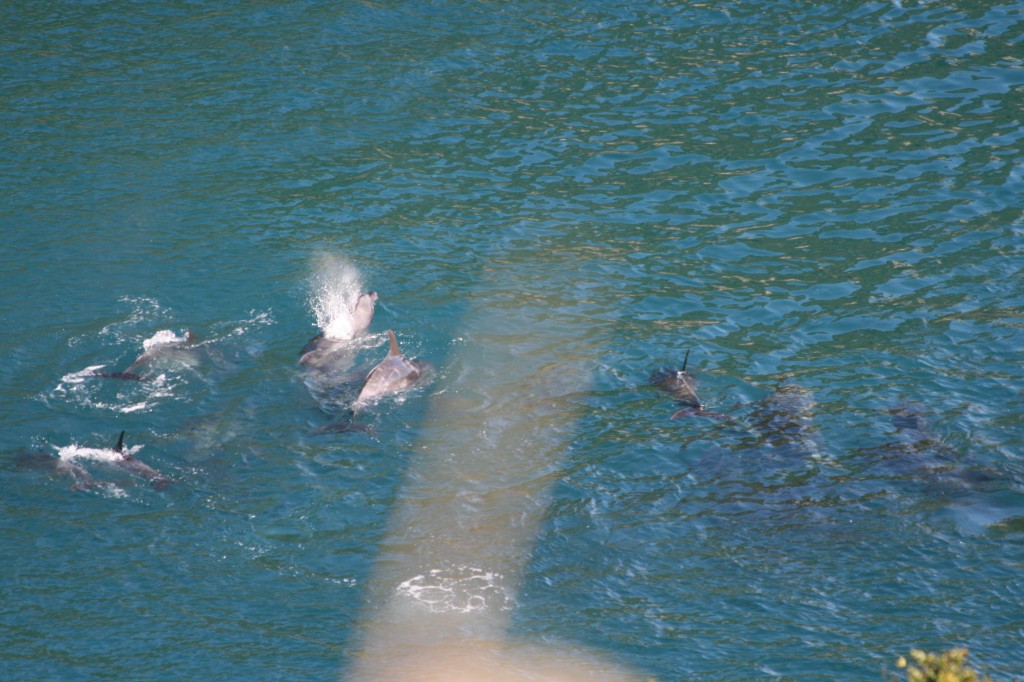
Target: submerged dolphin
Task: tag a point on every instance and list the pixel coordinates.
(323, 351)
(81, 480)
(395, 373)
(920, 453)
(683, 386)
(158, 348)
(784, 421)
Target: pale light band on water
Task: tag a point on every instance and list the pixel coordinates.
(473, 499)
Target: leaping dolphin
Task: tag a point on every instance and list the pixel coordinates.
(395, 373)
(683, 386)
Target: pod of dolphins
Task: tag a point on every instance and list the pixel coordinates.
(785, 413)
(322, 354)
(394, 374)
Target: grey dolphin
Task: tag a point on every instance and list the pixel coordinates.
(324, 352)
(116, 456)
(129, 463)
(683, 386)
(149, 357)
(362, 314)
(395, 373)
(68, 465)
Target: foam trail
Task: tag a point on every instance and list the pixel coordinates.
(473, 499)
(335, 286)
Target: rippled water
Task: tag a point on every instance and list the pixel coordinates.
(815, 195)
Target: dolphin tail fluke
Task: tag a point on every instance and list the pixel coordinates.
(394, 350)
(120, 442)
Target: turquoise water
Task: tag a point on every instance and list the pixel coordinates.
(823, 195)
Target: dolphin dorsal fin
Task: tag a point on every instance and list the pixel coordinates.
(394, 350)
(686, 359)
(120, 442)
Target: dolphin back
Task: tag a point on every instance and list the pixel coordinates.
(395, 373)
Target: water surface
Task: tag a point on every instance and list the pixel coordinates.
(825, 195)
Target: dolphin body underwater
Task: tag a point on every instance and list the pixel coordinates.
(784, 424)
(159, 349)
(917, 452)
(782, 428)
(81, 480)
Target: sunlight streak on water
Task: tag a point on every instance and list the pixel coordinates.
(820, 195)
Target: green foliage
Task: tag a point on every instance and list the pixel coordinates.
(949, 666)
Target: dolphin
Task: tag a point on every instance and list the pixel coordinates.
(784, 421)
(917, 451)
(362, 314)
(158, 348)
(117, 456)
(395, 373)
(683, 386)
(325, 352)
(139, 468)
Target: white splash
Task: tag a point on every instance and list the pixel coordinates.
(335, 287)
(464, 589)
(76, 452)
(164, 337)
